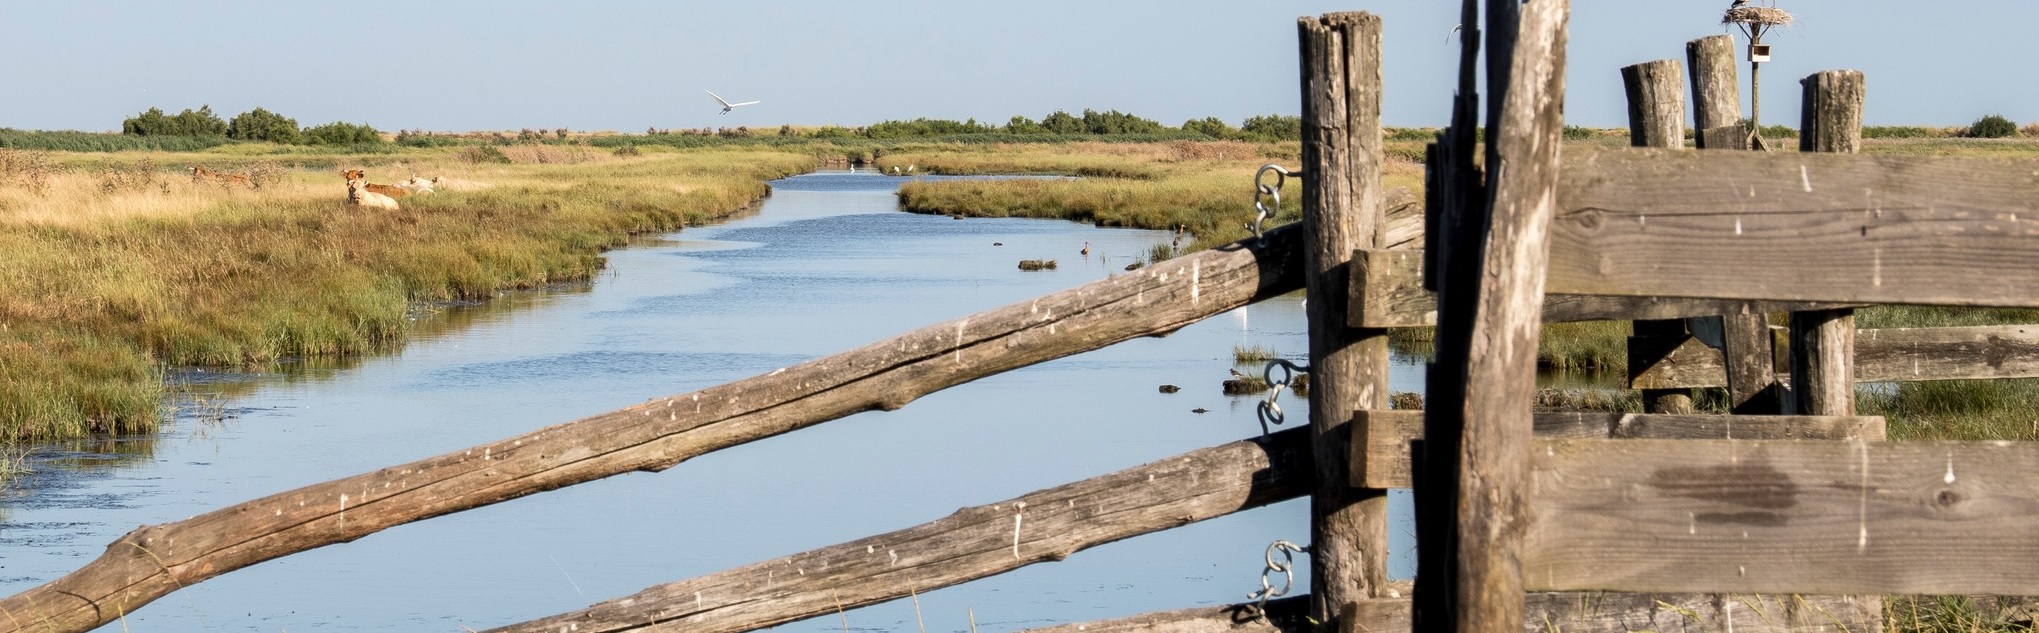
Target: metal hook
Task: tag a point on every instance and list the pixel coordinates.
(1286, 566)
(1270, 409)
(1262, 189)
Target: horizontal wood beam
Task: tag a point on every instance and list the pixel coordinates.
(155, 560)
(1798, 227)
(1883, 355)
(1387, 290)
(1043, 526)
(1768, 516)
(1614, 612)
(1570, 612)
(1380, 439)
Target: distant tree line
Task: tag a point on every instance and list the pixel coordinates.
(1092, 122)
(254, 125)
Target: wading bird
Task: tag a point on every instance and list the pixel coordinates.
(726, 105)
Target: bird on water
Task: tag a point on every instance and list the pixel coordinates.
(1086, 248)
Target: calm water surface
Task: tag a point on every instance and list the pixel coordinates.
(826, 265)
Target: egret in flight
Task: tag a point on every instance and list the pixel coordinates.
(726, 105)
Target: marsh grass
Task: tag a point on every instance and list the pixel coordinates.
(101, 286)
(1243, 354)
(1204, 188)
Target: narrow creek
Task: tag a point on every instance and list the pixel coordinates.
(826, 265)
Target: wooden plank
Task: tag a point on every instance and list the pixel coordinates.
(1043, 526)
(1612, 612)
(1381, 438)
(1342, 210)
(1984, 352)
(1289, 615)
(155, 560)
(1548, 611)
(1767, 516)
(1799, 227)
(1388, 291)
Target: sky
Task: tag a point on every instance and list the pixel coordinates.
(458, 65)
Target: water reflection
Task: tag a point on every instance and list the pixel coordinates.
(827, 265)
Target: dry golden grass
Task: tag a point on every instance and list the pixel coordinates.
(113, 266)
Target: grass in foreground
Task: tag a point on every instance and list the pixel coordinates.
(116, 265)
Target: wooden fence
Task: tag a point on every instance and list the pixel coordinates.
(1568, 521)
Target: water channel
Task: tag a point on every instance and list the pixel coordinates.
(826, 264)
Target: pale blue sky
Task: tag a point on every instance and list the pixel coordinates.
(628, 65)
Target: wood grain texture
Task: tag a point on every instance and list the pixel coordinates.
(1454, 196)
(1985, 352)
(1388, 292)
(1613, 612)
(1656, 104)
(1043, 526)
(1823, 341)
(1284, 615)
(1342, 210)
(155, 560)
(1381, 438)
(1716, 106)
(1751, 357)
(1798, 227)
(1526, 77)
(1767, 516)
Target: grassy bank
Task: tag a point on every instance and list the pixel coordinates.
(1204, 187)
(118, 264)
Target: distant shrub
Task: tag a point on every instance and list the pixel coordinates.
(152, 122)
(629, 150)
(2030, 129)
(1898, 131)
(262, 125)
(1274, 127)
(478, 154)
(342, 133)
(1211, 127)
(1992, 126)
(1578, 133)
(1410, 134)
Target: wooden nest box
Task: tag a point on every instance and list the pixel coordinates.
(1759, 52)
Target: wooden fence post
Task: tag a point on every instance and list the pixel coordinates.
(1656, 118)
(1489, 316)
(1823, 342)
(1717, 118)
(1342, 211)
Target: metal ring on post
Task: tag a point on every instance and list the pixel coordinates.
(1262, 189)
(1287, 568)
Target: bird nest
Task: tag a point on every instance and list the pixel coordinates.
(1756, 16)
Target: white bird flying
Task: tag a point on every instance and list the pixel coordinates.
(726, 105)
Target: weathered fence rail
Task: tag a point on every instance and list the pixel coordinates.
(153, 561)
(1526, 521)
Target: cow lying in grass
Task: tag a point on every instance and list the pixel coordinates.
(360, 193)
(387, 190)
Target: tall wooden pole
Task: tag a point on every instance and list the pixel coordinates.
(1493, 321)
(1823, 342)
(1342, 211)
(1656, 118)
(1750, 356)
(1455, 196)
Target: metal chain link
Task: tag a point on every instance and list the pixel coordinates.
(1270, 409)
(1286, 566)
(1262, 190)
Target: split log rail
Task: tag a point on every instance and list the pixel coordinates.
(1526, 521)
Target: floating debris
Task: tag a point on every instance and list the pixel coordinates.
(1170, 389)
(1037, 264)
